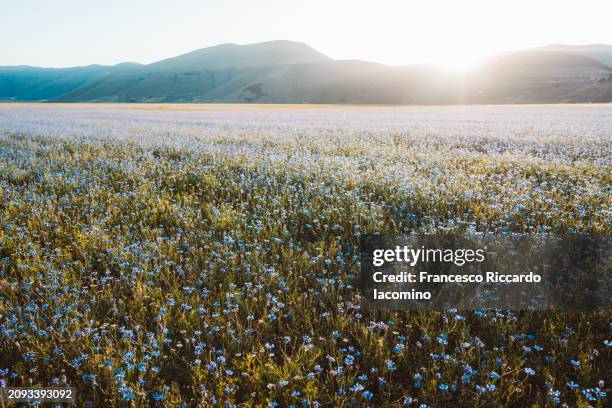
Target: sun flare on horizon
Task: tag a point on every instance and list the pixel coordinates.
(461, 62)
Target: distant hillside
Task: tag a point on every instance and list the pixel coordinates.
(600, 92)
(23, 83)
(536, 76)
(599, 52)
(292, 72)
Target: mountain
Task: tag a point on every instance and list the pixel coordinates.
(232, 56)
(188, 77)
(293, 72)
(31, 83)
(598, 52)
(536, 76)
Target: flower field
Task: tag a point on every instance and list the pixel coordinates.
(208, 257)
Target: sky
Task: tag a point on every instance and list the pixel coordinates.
(453, 33)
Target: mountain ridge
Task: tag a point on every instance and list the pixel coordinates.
(598, 52)
(292, 72)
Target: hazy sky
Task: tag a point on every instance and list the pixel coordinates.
(457, 32)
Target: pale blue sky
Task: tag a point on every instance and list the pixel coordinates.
(60, 33)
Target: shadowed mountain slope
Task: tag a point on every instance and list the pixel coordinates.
(24, 83)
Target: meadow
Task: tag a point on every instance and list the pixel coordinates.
(208, 256)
